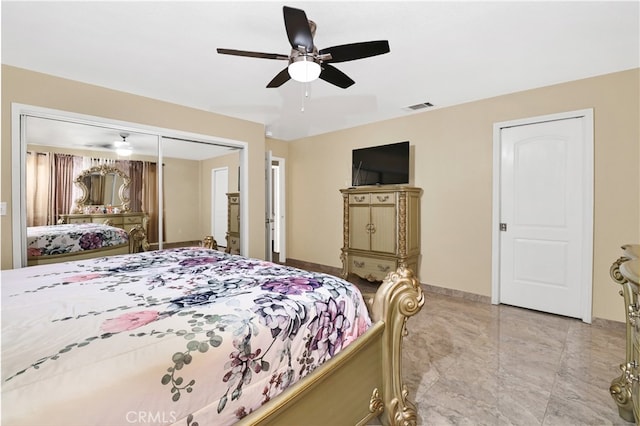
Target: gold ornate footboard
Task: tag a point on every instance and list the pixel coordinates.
(362, 382)
(622, 388)
(398, 298)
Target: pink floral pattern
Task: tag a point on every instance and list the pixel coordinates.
(82, 278)
(129, 321)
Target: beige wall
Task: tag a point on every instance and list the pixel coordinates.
(182, 203)
(277, 147)
(453, 164)
(41, 90)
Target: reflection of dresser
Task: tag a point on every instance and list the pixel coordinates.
(125, 221)
(233, 220)
(625, 389)
(381, 230)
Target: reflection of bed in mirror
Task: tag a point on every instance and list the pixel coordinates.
(198, 336)
(67, 242)
(82, 212)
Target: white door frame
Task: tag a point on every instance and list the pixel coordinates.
(281, 221)
(215, 196)
(588, 170)
(268, 197)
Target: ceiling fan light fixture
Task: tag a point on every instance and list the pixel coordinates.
(123, 148)
(124, 151)
(304, 68)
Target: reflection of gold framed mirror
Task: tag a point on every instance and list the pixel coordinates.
(102, 186)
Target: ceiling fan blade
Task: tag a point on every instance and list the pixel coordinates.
(298, 30)
(333, 75)
(353, 51)
(282, 77)
(252, 54)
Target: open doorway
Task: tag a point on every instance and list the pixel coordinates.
(276, 232)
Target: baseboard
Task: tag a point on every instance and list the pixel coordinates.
(309, 266)
(472, 297)
(426, 287)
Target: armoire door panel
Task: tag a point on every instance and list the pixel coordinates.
(359, 223)
(383, 228)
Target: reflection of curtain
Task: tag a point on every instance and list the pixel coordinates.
(96, 189)
(38, 170)
(62, 185)
(135, 188)
(150, 200)
(78, 167)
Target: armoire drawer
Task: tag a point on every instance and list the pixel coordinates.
(359, 198)
(79, 220)
(372, 268)
(113, 221)
(133, 220)
(383, 198)
(233, 244)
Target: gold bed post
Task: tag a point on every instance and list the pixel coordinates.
(398, 298)
(209, 242)
(138, 240)
(620, 388)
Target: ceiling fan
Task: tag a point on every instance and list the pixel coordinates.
(306, 62)
(122, 148)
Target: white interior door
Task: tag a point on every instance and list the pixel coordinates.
(545, 215)
(219, 210)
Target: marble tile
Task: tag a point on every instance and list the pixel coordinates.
(472, 363)
(467, 362)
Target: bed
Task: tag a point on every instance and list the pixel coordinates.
(194, 336)
(67, 242)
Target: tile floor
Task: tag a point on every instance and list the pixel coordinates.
(473, 363)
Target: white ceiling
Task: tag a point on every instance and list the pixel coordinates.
(445, 53)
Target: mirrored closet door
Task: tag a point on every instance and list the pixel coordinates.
(79, 172)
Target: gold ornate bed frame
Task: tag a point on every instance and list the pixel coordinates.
(362, 382)
(622, 388)
(137, 243)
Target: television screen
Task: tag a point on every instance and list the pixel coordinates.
(381, 165)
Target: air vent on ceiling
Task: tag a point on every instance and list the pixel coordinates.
(417, 107)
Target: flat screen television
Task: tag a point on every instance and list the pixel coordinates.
(381, 165)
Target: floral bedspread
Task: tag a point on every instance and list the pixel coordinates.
(186, 336)
(69, 238)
